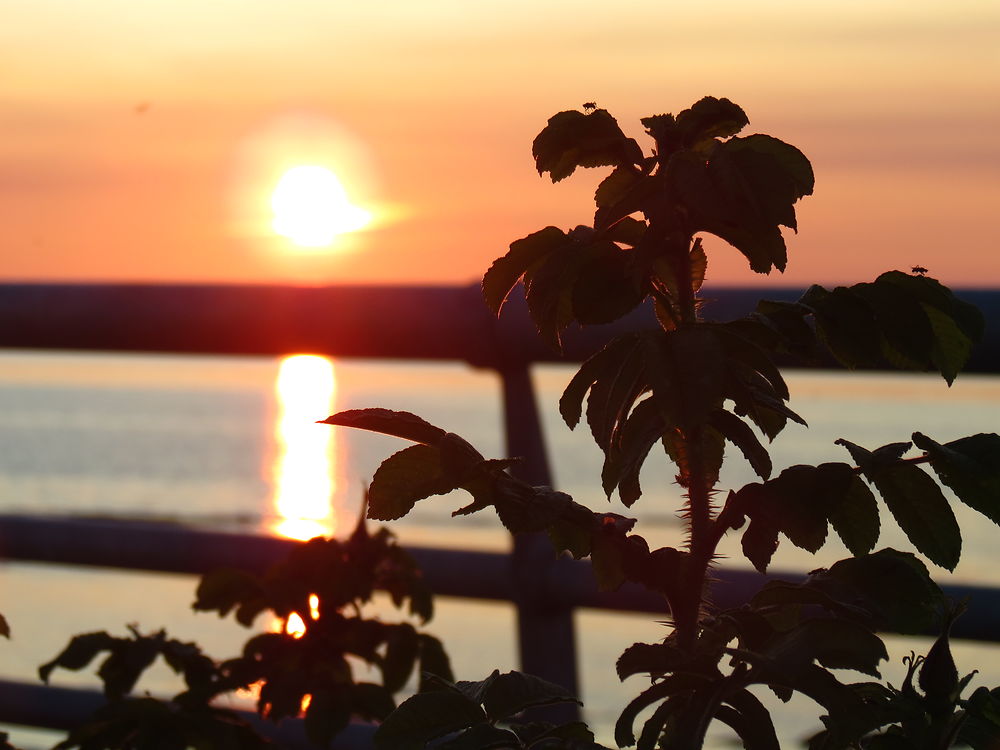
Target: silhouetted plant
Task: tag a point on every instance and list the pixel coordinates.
(694, 385)
(324, 584)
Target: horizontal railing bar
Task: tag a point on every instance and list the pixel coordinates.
(170, 548)
(396, 322)
(63, 708)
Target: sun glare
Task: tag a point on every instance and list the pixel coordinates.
(311, 207)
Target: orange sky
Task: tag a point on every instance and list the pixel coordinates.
(140, 140)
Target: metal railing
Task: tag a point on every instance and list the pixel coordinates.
(410, 323)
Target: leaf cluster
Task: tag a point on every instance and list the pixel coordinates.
(481, 715)
(696, 386)
(324, 584)
(187, 720)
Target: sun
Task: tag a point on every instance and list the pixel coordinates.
(311, 207)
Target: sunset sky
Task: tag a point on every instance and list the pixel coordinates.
(141, 141)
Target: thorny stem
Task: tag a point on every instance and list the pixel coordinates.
(702, 535)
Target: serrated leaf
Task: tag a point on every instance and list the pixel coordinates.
(709, 117)
(950, 348)
(405, 477)
(524, 253)
(893, 586)
(921, 511)
(739, 434)
(400, 424)
(742, 192)
(594, 368)
(855, 518)
(834, 643)
(617, 185)
(573, 139)
(512, 692)
(425, 716)
(654, 659)
(613, 394)
(969, 466)
(759, 542)
(624, 458)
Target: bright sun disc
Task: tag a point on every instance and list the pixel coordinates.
(311, 207)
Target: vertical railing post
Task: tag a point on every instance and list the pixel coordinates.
(546, 635)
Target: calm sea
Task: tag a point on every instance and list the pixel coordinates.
(231, 443)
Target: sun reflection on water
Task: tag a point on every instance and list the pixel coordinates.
(303, 469)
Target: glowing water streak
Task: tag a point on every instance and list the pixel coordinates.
(303, 469)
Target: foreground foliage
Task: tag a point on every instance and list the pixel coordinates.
(322, 587)
(698, 387)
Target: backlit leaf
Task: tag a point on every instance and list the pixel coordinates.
(750, 720)
(425, 716)
(512, 692)
(970, 466)
(739, 434)
(834, 643)
(400, 424)
(710, 117)
(893, 586)
(915, 500)
(405, 477)
(524, 253)
(573, 139)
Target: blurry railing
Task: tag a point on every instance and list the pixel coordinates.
(409, 323)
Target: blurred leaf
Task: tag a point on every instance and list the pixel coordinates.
(433, 661)
(401, 650)
(80, 651)
(225, 588)
(4, 627)
(400, 424)
(328, 714)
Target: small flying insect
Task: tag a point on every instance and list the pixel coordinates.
(919, 270)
